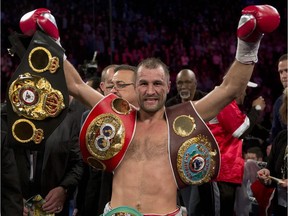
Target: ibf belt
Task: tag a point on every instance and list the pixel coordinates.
(193, 150)
(37, 91)
(107, 133)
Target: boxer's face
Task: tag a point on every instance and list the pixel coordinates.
(152, 87)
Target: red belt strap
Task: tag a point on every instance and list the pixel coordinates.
(107, 133)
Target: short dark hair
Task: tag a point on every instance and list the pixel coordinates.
(152, 63)
(256, 150)
(126, 67)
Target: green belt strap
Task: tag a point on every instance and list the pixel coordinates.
(123, 209)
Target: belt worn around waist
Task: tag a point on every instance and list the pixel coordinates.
(128, 211)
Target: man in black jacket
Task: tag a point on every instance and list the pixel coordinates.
(55, 170)
(11, 197)
(186, 84)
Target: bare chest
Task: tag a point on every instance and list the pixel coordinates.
(150, 142)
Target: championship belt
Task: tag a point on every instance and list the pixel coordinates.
(194, 153)
(107, 133)
(37, 93)
(123, 211)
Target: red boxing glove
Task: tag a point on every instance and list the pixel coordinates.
(42, 18)
(256, 20)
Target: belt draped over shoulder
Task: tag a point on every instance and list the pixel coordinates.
(109, 129)
(107, 133)
(194, 153)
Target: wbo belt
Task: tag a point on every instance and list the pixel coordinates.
(37, 91)
(107, 133)
(194, 153)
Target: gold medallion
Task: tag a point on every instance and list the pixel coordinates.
(121, 106)
(184, 125)
(34, 98)
(25, 131)
(105, 136)
(196, 160)
(40, 60)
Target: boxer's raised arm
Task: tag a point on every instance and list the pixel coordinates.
(42, 19)
(256, 20)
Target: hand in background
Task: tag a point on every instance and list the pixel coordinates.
(263, 176)
(55, 200)
(259, 102)
(284, 184)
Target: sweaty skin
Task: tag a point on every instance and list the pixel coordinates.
(144, 179)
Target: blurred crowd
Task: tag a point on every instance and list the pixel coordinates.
(196, 35)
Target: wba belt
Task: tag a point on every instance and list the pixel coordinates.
(37, 93)
(107, 133)
(194, 153)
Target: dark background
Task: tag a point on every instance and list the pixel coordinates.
(128, 31)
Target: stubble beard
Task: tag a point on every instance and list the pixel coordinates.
(153, 109)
